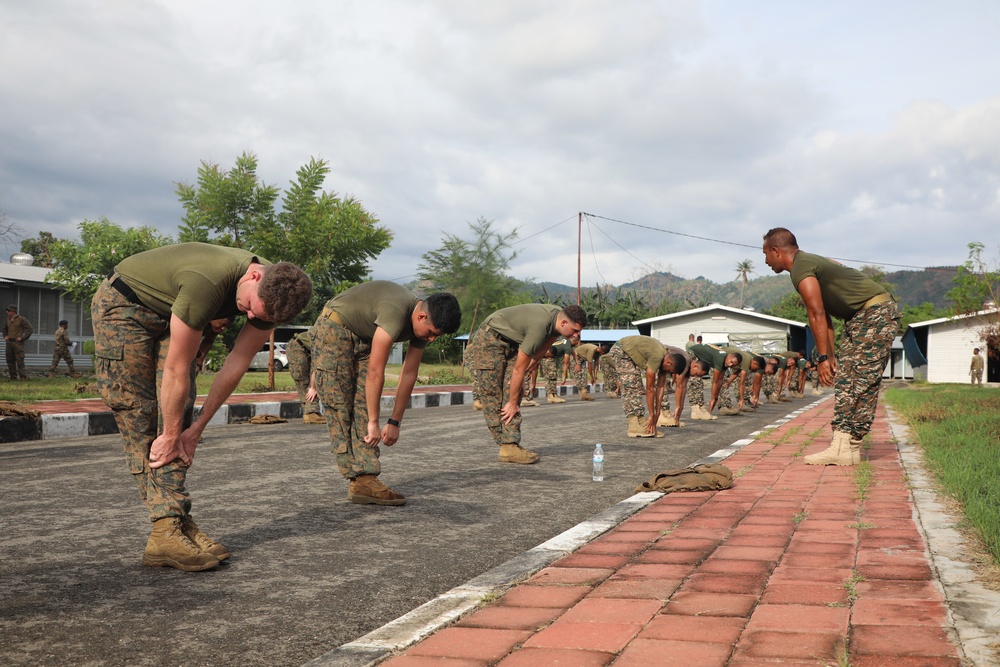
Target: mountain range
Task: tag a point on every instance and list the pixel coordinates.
(911, 288)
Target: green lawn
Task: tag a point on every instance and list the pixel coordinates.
(65, 388)
(958, 428)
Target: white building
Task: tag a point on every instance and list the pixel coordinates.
(723, 325)
(941, 350)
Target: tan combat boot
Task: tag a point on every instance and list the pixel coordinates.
(747, 407)
(637, 427)
(168, 546)
(511, 453)
(203, 541)
(665, 420)
(528, 403)
(554, 399)
(368, 490)
(313, 418)
(585, 396)
(728, 411)
(837, 454)
(477, 404)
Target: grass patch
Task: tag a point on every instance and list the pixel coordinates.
(860, 525)
(958, 428)
(799, 518)
(864, 477)
(742, 471)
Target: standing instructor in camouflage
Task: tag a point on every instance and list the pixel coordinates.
(871, 318)
(351, 342)
(504, 345)
(61, 352)
(149, 315)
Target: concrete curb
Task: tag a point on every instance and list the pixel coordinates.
(448, 607)
(81, 424)
(974, 610)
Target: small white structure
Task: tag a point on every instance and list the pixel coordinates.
(723, 325)
(941, 350)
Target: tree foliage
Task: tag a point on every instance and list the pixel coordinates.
(475, 271)
(80, 266)
(332, 238)
(977, 284)
(743, 271)
(41, 249)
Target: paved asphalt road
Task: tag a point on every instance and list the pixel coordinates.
(310, 571)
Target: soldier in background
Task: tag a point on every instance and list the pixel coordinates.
(976, 368)
(586, 356)
(16, 330)
(63, 344)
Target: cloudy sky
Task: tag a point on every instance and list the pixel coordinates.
(685, 129)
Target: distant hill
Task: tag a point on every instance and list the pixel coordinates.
(910, 288)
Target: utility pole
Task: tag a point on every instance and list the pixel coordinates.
(579, 231)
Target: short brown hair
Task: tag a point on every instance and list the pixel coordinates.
(576, 314)
(285, 290)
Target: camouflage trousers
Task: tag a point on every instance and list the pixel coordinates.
(62, 353)
(130, 348)
(492, 359)
(580, 377)
(769, 385)
(725, 400)
(864, 352)
(549, 370)
(668, 389)
(976, 377)
(300, 367)
(340, 362)
(793, 382)
(608, 370)
(15, 359)
(696, 390)
(630, 382)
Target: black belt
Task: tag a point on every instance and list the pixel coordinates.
(125, 290)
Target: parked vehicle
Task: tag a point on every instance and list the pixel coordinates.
(259, 361)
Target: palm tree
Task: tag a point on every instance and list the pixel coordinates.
(743, 271)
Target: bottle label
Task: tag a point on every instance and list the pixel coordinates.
(598, 458)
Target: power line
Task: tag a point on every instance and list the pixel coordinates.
(754, 247)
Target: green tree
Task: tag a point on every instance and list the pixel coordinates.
(475, 271)
(790, 307)
(925, 311)
(231, 208)
(332, 238)
(977, 284)
(80, 266)
(40, 249)
(743, 271)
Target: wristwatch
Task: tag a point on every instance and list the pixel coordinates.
(393, 422)
(821, 358)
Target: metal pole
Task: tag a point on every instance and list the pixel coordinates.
(579, 230)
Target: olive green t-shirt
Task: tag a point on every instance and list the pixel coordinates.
(528, 325)
(378, 303)
(586, 351)
(194, 281)
(644, 351)
(715, 357)
(745, 364)
(845, 290)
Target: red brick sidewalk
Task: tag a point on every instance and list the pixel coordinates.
(788, 567)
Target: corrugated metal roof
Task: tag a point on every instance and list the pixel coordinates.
(25, 274)
(592, 335)
(717, 306)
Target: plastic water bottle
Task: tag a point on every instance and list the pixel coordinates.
(598, 463)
